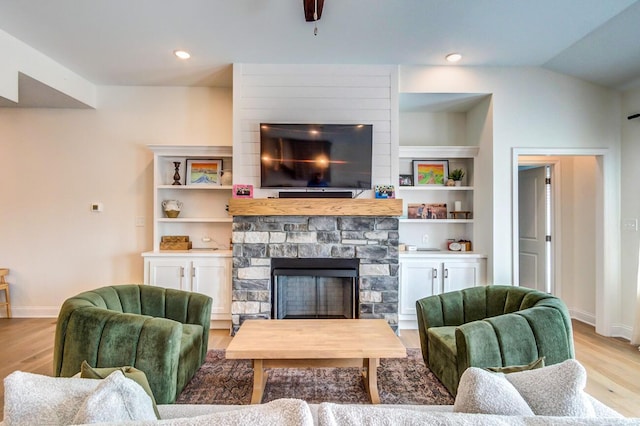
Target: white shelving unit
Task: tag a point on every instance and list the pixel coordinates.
(203, 217)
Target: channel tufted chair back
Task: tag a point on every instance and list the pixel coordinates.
(491, 326)
(162, 332)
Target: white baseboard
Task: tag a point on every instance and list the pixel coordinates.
(407, 325)
(582, 316)
(616, 330)
(220, 325)
(32, 312)
(621, 330)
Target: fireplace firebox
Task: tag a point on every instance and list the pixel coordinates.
(314, 288)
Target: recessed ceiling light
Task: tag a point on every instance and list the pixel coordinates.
(453, 57)
(182, 54)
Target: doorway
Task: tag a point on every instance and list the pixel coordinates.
(574, 259)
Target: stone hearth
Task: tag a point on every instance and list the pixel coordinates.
(372, 240)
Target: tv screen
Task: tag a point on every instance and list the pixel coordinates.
(315, 155)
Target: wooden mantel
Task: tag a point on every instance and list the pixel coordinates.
(314, 207)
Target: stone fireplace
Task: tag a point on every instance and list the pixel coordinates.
(372, 241)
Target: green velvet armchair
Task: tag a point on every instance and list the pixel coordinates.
(162, 332)
(491, 326)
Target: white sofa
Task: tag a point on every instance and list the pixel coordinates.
(483, 399)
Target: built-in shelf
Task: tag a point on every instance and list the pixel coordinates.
(196, 187)
(407, 220)
(435, 188)
(314, 207)
(197, 220)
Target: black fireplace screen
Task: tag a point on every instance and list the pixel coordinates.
(314, 288)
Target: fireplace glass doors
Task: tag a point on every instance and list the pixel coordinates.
(314, 288)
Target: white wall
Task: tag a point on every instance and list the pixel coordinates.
(630, 202)
(56, 162)
(433, 128)
(578, 280)
(313, 94)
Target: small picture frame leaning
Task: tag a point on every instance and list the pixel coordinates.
(203, 171)
(430, 172)
(406, 180)
(242, 191)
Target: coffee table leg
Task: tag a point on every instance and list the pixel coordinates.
(370, 376)
(259, 381)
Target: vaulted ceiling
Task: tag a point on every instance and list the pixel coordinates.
(125, 42)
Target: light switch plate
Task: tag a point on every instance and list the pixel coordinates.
(630, 225)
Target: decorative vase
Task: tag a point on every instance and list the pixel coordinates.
(457, 183)
(226, 177)
(176, 175)
(172, 208)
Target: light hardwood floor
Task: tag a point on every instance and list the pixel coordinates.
(613, 365)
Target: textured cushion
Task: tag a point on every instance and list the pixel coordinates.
(88, 372)
(538, 363)
(484, 392)
(556, 390)
(281, 412)
(34, 399)
(116, 399)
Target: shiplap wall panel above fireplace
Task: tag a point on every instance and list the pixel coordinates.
(313, 94)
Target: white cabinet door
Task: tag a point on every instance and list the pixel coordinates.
(169, 273)
(418, 279)
(213, 278)
(461, 275)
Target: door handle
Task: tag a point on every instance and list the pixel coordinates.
(435, 273)
(446, 273)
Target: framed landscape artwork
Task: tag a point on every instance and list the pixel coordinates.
(203, 172)
(430, 172)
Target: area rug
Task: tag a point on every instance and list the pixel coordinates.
(400, 381)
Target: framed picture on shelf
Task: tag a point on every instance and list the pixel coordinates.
(430, 172)
(427, 211)
(203, 171)
(385, 191)
(242, 191)
(406, 180)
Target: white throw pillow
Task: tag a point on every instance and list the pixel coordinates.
(555, 390)
(116, 399)
(34, 399)
(484, 392)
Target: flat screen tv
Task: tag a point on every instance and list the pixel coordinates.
(315, 155)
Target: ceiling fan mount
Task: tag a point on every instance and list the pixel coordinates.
(312, 9)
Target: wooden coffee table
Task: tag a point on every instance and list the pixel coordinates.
(315, 343)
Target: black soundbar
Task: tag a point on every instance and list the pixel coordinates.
(315, 194)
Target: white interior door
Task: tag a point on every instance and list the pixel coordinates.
(532, 227)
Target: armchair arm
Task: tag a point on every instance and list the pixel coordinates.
(429, 314)
(185, 307)
(477, 346)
